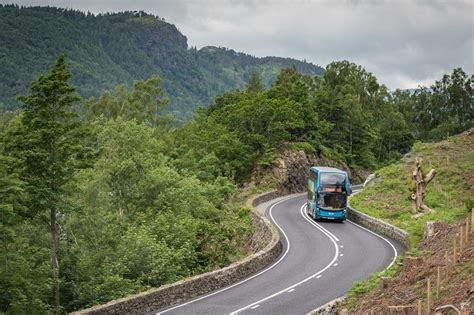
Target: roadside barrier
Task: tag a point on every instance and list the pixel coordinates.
(378, 225)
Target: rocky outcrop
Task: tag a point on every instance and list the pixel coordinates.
(291, 169)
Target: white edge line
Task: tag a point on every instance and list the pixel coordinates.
(246, 279)
(386, 240)
(333, 236)
(325, 232)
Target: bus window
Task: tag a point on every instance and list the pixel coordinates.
(332, 179)
(332, 191)
(332, 201)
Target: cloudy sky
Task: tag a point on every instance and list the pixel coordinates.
(404, 43)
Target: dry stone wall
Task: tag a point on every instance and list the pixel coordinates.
(265, 242)
(379, 226)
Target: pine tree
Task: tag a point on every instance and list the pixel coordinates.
(46, 144)
(255, 82)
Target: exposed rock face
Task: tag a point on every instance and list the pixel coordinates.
(292, 169)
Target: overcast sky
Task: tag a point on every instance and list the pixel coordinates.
(404, 43)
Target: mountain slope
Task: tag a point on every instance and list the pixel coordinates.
(106, 50)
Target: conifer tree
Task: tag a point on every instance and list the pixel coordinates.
(255, 82)
(46, 144)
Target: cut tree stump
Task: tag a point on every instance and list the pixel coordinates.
(419, 187)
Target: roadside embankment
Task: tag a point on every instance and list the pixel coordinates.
(436, 272)
(437, 278)
(265, 244)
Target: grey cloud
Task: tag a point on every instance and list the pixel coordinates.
(404, 43)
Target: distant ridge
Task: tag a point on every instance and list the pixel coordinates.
(116, 48)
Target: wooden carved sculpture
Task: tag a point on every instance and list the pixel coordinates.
(419, 187)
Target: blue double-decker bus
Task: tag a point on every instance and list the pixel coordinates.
(328, 189)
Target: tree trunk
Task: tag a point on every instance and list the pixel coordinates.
(420, 182)
(54, 262)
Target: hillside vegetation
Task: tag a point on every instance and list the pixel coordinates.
(450, 195)
(118, 48)
(408, 283)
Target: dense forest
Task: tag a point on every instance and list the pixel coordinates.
(118, 48)
(104, 197)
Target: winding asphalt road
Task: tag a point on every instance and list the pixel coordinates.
(319, 262)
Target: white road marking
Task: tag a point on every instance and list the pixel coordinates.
(342, 246)
(312, 221)
(318, 276)
(289, 291)
(341, 255)
(249, 278)
(386, 240)
(254, 307)
(325, 232)
(335, 265)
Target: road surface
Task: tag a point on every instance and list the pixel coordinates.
(319, 262)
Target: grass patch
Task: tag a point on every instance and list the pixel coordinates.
(450, 194)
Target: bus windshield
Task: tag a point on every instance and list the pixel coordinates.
(332, 191)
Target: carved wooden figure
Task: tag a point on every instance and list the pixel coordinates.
(419, 187)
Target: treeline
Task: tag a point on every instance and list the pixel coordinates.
(345, 115)
(445, 108)
(119, 199)
(106, 50)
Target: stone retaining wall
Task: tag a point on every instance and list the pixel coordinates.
(259, 199)
(265, 240)
(378, 225)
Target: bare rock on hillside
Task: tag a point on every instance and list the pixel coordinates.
(291, 169)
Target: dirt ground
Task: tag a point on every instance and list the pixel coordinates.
(400, 295)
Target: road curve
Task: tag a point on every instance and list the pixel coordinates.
(319, 262)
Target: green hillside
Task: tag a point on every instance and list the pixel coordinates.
(450, 195)
(106, 50)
